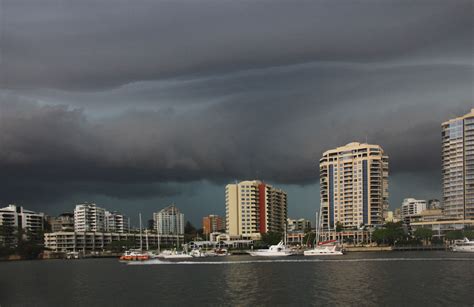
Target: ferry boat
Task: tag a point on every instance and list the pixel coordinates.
(138, 254)
(278, 250)
(464, 246)
(324, 248)
(135, 255)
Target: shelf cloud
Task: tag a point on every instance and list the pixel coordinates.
(130, 100)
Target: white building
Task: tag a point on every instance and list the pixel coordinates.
(254, 208)
(116, 222)
(15, 218)
(412, 207)
(298, 225)
(20, 217)
(89, 217)
(169, 221)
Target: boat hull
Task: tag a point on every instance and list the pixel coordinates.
(463, 249)
(269, 254)
(322, 253)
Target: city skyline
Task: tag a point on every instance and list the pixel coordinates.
(170, 111)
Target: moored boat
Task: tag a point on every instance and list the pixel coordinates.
(278, 250)
(465, 246)
(326, 248)
(174, 255)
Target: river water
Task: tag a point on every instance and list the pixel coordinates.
(368, 279)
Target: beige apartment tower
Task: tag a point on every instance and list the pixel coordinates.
(458, 167)
(353, 186)
(254, 208)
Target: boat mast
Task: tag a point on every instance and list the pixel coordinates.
(140, 218)
(146, 238)
(158, 233)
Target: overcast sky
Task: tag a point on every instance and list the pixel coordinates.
(137, 104)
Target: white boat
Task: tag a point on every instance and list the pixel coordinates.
(167, 254)
(72, 255)
(465, 246)
(278, 250)
(327, 248)
(197, 253)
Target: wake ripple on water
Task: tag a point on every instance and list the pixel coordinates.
(155, 262)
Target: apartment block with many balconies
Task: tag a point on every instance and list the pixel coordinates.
(89, 217)
(458, 167)
(353, 186)
(254, 208)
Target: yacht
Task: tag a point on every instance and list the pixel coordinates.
(324, 248)
(464, 246)
(278, 250)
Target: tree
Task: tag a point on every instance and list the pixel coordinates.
(271, 238)
(469, 234)
(424, 234)
(392, 233)
(189, 229)
(339, 227)
(454, 235)
(309, 238)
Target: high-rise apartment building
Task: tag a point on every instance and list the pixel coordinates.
(89, 217)
(116, 222)
(212, 223)
(169, 221)
(458, 167)
(254, 208)
(353, 186)
(412, 207)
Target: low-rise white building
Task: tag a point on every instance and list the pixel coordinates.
(116, 222)
(412, 207)
(101, 241)
(16, 217)
(298, 225)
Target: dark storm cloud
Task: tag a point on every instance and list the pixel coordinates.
(125, 99)
(97, 44)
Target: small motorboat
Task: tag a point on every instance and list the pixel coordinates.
(278, 250)
(174, 255)
(465, 246)
(326, 248)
